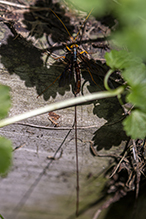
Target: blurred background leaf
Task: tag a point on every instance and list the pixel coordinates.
(5, 144)
(86, 5)
(5, 101)
(5, 155)
(132, 17)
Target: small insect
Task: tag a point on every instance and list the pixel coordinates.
(53, 117)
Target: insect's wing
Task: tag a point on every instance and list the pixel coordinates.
(67, 75)
(94, 68)
(95, 71)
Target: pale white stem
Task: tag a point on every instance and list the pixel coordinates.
(62, 104)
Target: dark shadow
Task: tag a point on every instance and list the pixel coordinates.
(108, 20)
(129, 207)
(42, 22)
(26, 62)
(111, 134)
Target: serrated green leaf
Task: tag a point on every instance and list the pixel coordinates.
(4, 101)
(5, 155)
(135, 75)
(120, 59)
(135, 124)
(137, 96)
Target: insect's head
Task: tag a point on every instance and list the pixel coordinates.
(74, 45)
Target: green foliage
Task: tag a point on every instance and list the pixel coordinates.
(86, 5)
(135, 124)
(5, 145)
(4, 101)
(121, 59)
(5, 155)
(134, 73)
(131, 14)
(1, 216)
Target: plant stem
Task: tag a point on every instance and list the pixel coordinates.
(62, 104)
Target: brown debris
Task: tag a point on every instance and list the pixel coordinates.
(126, 173)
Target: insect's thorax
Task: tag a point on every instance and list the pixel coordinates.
(73, 49)
(75, 53)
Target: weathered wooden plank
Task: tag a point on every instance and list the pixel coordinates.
(37, 187)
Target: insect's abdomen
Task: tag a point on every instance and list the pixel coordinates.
(78, 79)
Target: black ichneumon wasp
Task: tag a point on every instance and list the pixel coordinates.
(74, 57)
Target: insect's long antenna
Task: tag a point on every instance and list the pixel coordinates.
(66, 27)
(83, 24)
(61, 22)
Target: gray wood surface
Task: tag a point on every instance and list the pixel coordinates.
(35, 186)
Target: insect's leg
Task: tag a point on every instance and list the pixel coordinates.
(49, 85)
(68, 48)
(59, 57)
(84, 51)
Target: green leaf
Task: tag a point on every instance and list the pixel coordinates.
(1, 216)
(135, 75)
(131, 11)
(86, 5)
(4, 101)
(133, 38)
(5, 155)
(135, 124)
(137, 96)
(132, 17)
(120, 59)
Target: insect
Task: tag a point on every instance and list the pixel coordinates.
(74, 57)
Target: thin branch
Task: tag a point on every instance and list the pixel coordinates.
(14, 4)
